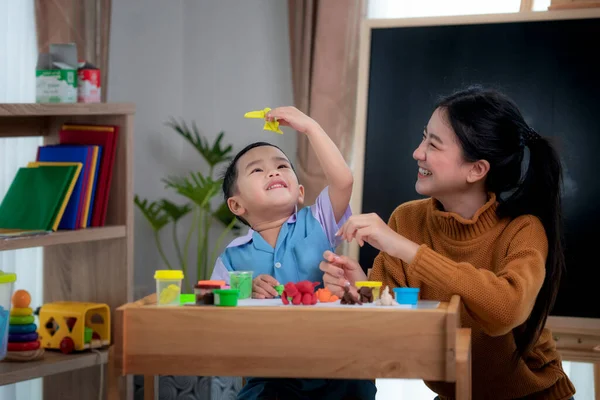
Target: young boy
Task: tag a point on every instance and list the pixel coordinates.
(285, 244)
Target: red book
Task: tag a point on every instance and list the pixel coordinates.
(100, 135)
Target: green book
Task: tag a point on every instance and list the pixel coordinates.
(34, 197)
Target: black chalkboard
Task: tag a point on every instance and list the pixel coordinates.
(550, 68)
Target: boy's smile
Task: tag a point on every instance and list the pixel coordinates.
(277, 183)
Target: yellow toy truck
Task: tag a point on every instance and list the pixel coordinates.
(74, 326)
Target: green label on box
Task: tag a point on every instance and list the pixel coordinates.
(56, 86)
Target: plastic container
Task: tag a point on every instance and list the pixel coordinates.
(168, 286)
(204, 291)
(226, 297)
(407, 295)
(242, 281)
(7, 282)
(372, 284)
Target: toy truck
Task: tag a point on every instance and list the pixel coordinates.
(74, 326)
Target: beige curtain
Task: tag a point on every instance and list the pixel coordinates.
(324, 49)
(83, 22)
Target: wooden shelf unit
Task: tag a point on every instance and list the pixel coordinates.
(64, 237)
(52, 364)
(94, 264)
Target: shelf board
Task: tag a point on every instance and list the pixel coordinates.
(53, 362)
(64, 237)
(64, 109)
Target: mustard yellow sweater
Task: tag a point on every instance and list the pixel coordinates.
(497, 266)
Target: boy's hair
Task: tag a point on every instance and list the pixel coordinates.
(230, 175)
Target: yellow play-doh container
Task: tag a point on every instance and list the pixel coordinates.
(372, 284)
(168, 286)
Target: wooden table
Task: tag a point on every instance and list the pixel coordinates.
(294, 341)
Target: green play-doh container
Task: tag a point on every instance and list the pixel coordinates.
(226, 297)
(241, 280)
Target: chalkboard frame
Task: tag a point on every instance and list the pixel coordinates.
(577, 338)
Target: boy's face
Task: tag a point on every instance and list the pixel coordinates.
(265, 183)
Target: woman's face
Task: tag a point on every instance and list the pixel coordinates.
(442, 169)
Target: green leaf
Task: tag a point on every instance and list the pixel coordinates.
(196, 187)
(154, 213)
(225, 216)
(213, 154)
(175, 211)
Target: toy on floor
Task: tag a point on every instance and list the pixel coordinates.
(23, 340)
(73, 326)
(365, 294)
(386, 298)
(325, 296)
(349, 298)
(302, 292)
(261, 114)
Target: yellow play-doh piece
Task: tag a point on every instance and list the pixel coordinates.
(261, 114)
(21, 312)
(169, 294)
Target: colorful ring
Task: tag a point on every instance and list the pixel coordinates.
(22, 328)
(22, 312)
(23, 346)
(21, 320)
(22, 337)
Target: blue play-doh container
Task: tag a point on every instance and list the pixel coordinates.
(406, 295)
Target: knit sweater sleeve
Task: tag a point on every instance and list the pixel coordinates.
(499, 299)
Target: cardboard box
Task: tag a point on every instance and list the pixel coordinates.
(88, 83)
(56, 74)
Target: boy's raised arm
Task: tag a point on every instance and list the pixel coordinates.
(338, 174)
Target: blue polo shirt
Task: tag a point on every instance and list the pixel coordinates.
(303, 239)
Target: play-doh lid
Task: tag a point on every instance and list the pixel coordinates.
(406, 290)
(209, 284)
(168, 274)
(368, 283)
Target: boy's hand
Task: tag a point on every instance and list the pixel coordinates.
(292, 117)
(263, 287)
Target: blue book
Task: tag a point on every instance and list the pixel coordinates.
(70, 153)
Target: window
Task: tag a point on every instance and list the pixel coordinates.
(18, 56)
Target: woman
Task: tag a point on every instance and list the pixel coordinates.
(502, 255)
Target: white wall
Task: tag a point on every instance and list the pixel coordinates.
(203, 60)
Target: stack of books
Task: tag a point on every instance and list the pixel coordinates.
(67, 187)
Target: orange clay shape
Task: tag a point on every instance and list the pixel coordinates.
(325, 296)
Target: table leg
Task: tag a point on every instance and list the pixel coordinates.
(463, 364)
(149, 393)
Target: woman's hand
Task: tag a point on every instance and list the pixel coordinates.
(369, 228)
(340, 271)
(263, 287)
(292, 117)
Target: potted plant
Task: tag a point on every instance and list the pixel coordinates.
(198, 189)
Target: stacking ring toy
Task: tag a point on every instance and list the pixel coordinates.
(23, 346)
(21, 312)
(22, 337)
(21, 320)
(22, 328)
